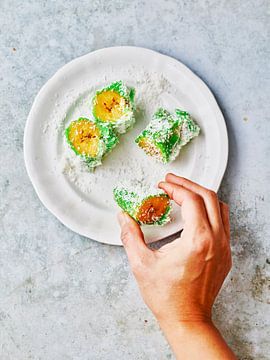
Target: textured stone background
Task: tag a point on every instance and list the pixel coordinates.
(66, 297)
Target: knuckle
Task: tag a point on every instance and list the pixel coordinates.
(196, 198)
(125, 236)
(198, 247)
(211, 194)
(203, 229)
(204, 238)
(201, 246)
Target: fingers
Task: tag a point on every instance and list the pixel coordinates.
(132, 238)
(210, 198)
(193, 208)
(225, 215)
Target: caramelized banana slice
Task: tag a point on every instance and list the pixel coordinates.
(146, 210)
(90, 140)
(166, 134)
(114, 104)
(84, 136)
(110, 106)
(152, 209)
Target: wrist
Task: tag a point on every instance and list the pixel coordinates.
(195, 339)
(187, 315)
(184, 330)
(169, 325)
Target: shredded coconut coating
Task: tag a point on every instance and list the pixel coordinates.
(189, 128)
(165, 135)
(133, 203)
(124, 107)
(106, 142)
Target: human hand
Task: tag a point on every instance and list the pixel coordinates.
(180, 281)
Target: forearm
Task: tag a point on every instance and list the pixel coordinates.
(196, 340)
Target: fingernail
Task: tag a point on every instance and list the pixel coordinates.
(161, 183)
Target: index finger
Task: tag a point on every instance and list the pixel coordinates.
(193, 208)
(210, 198)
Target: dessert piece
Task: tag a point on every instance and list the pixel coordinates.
(89, 140)
(165, 135)
(146, 210)
(189, 129)
(161, 136)
(114, 104)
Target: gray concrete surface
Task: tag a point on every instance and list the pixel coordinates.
(66, 297)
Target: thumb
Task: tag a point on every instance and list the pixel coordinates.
(132, 237)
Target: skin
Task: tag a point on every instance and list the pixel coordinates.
(180, 281)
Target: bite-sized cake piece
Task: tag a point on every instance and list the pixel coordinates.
(114, 104)
(90, 140)
(161, 136)
(145, 209)
(189, 129)
(166, 134)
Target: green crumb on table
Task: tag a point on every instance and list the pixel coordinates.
(166, 134)
(146, 210)
(114, 104)
(91, 141)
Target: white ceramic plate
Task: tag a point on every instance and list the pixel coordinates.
(82, 200)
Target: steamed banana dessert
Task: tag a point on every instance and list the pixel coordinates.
(189, 129)
(166, 134)
(114, 105)
(91, 141)
(145, 209)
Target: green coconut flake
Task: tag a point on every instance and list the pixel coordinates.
(167, 133)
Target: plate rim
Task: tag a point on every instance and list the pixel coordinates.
(45, 199)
